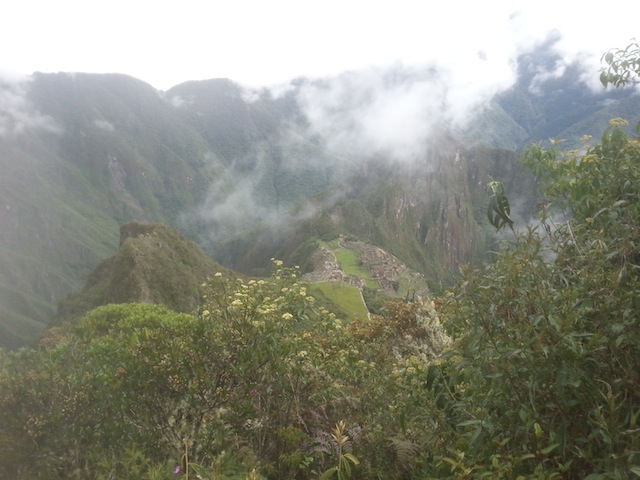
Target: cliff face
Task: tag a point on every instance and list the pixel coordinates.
(431, 215)
(135, 230)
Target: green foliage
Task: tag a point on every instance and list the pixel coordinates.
(154, 264)
(536, 378)
(541, 381)
(374, 300)
(498, 210)
(623, 66)
(547, 337)
(325, 229)
(345, 458)
(252, 383)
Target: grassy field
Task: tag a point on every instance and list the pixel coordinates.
(347, 297)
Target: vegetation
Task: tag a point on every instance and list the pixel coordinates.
(259, 381)
(527, 369)
(547, 337)
(623, 66)
(537, 378)
(347, 297)
(112, 149)
(154, 264)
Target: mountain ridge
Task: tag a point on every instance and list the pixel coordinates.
(153, 264)
(85, 153)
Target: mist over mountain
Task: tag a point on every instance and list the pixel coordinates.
(552, 98)
(396, 157)
(270, 162)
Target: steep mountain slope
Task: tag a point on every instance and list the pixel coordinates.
(430, 215)
(154, 264)
(127, 144)
(271, 161)
(82, 154)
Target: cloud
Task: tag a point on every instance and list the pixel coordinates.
(178, 102)
(231, 207)
(243, 197)
(394, 111)
(17, 114)
(259, 42)
(104, 125)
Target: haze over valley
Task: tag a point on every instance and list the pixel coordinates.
(394, 156)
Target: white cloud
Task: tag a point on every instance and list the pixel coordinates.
(373, 111)
(17, 115)
(104, 125)
(394, 111)
(258, 43)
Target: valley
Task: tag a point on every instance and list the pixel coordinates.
(251, 176)
(218, 281)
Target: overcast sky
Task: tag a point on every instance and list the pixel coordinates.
(271, 41)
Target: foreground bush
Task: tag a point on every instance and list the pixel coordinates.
(257, 381)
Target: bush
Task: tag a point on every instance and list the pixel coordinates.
(548, 338)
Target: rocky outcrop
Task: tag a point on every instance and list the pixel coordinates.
(134, 230)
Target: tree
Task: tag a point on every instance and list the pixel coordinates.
(86, 397)
(623, 66)
(548, 338)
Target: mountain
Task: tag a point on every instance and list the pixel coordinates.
(431, 215)
(551, 99)
(82, 154)
(270, 161)
(249, 175)
(154, 264)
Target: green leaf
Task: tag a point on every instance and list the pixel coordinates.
(550, 448)
(329, 473)
(352, 458)
(469, 422)
(527, 456)
(499, 210)
(537, 429)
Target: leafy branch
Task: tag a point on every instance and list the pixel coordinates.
(498, 211)
(345, 459)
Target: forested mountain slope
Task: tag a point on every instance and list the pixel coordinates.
(246, 174)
